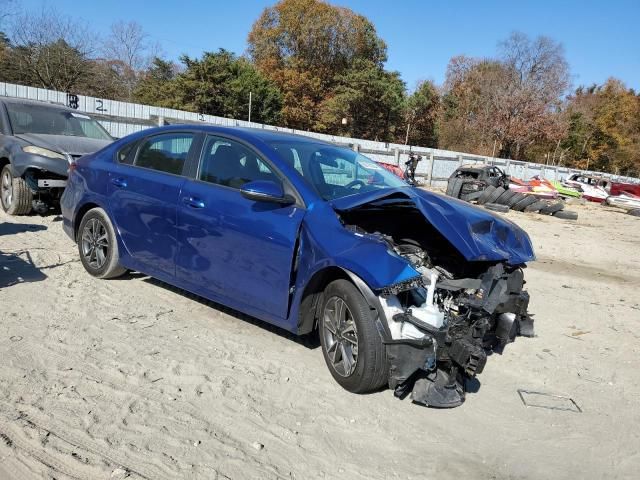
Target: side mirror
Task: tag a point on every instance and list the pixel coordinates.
(266, 191)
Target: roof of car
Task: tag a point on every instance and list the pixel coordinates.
(263, 134)
(475, 166)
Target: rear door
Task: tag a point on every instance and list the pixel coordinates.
(143, 194)
(231, 248)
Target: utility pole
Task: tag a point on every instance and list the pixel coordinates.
(249, 107)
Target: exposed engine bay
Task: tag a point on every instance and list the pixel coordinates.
(441, 324)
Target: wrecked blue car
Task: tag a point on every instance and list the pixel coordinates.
(405, 288)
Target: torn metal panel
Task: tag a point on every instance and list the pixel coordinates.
(476, 233)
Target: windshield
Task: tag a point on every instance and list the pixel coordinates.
(27, 118)
(335, 172)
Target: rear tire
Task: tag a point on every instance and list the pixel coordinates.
(524, 203)
(469, 197)
(552, 208)
(98, 245)
(347, 330)
(486, 194)
(566, 215)
(505, 197)
(454, 186)
(515, 199)
(15, 195)
(496, 207)
(535, 207)
(497, 193)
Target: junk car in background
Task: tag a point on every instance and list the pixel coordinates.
(38, 142)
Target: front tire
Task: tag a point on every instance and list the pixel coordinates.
(98, 246)
(351, 344)
(15, 195)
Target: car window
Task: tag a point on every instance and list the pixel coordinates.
(291, 157)
(123, 154)
(33, 118)
(340, 172)
(165, 153)
(229, 163)
(334, 172)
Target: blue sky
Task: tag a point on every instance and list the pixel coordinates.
(601, 38)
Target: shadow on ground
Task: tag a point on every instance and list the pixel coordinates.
(18, 268)
(7, 228)
(310, 341)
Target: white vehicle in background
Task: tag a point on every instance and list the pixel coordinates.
(593, 189)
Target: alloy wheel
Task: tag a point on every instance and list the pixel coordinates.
(95, 243)
(341, 336)
(6, 189)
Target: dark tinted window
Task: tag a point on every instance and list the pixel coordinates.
(125, 155)
(165, 153)
(231, 164)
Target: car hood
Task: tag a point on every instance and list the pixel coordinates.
(477, 234)
(74, 146)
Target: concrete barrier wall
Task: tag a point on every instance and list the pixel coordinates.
(123, 118)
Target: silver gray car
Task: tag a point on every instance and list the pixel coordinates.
(38, 143)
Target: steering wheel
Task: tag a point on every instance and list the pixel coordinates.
(353, 183)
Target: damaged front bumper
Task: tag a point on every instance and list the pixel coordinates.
(439, 333)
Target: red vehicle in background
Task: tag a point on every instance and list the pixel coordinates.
(409, 173)
(617, 188)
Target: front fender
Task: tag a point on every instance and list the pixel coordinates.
(21, 162)
(365, 259)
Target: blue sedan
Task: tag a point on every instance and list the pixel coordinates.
(406, 288)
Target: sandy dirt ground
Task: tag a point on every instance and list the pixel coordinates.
(131, 378)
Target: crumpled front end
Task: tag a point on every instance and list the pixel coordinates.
(442, 330)
(466, 300)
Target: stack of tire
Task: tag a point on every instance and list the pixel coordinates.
(501, 199)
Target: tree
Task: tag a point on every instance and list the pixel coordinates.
(421, 116)
(128, 49)
(506, 105)
(604, 129)
(537, 78)
(155, 83)
(103, 80)
(218, 84)
(369, 98)
(5, 46)
(49, 51)
(305, 46)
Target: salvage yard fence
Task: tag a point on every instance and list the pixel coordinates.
(123, 118)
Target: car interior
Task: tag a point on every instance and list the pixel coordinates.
(161, 160)
(232, 165)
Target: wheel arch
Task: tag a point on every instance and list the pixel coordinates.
(311, 300)
(82, 211)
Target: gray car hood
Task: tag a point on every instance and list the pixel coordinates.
(74, 146)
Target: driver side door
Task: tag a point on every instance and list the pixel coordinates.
(231, 249)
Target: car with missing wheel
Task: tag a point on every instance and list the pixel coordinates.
(469, 181)
(406, 288)
(38, 141)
